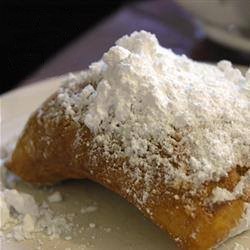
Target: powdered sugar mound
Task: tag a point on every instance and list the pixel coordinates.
(142, 99)
(231, 73)
(147, 93)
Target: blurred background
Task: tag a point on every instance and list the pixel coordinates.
(48, 38)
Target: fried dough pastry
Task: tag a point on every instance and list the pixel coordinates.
(58, 143)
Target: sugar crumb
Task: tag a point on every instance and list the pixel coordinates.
(92, 225)
(55, 197)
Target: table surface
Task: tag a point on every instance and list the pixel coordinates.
(174, 28)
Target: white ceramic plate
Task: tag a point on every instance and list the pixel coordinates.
(226, 22)
(129, 228)
(231, 39)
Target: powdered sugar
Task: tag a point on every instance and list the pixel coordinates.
(5, 212)
(26, 217)
(55, 197)
(88, 209)
(21, 216)
(21, 202)
(222, 194)
(145, 99)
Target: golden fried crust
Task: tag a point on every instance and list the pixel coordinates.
(47, 152)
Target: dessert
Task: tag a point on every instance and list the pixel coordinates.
(170, 135)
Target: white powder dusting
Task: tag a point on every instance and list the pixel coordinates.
(238, 246)
(55, 197)
(21, 217)
(28, 217)
(107, 229)
(28, 223)
(222, 194)
(156, 108)
(68, 238)
(21, 202)
(92, 225)
(88, 209)
(4, 212)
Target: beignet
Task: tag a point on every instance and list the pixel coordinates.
(170, 135)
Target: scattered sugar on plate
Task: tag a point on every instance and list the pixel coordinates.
(88, 209)
(107, 229)
(68, 237)
(22, 216)
(28, 223)
(5, 212)
(238, 246)
(55, 197)
(92, 225)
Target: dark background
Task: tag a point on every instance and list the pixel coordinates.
(35, 30)
(43, 38)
